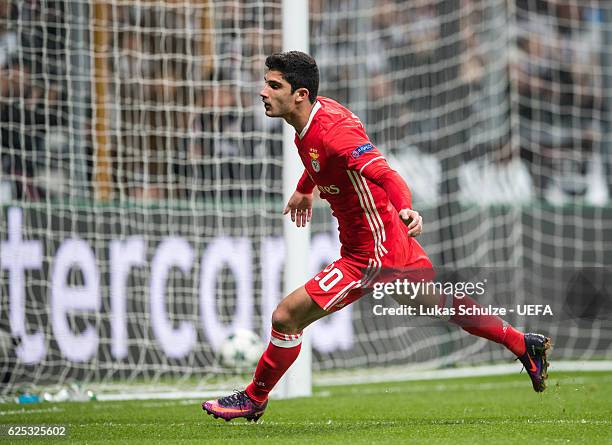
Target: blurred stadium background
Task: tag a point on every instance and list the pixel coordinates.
(141, 183)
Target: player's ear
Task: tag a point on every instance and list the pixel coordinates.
(302, 94)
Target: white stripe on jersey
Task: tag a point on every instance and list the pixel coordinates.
(367, 204)
(369, 162)
(373, 204)
(364, 206)
(378, 234)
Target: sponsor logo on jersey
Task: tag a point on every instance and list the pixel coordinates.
(314, 159)
(329, 189)
(361, 150)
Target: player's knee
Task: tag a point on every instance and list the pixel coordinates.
(283, 321)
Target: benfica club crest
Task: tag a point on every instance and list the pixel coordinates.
(314, 160)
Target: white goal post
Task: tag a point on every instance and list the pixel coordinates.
(297, 382)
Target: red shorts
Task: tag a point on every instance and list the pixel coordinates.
(350, 277)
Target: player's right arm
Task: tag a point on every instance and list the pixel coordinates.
(300, 203)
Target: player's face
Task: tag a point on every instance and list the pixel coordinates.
(276, 95)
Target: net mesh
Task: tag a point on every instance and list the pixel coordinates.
(141, 182)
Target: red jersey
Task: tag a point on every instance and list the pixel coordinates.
(338, 155)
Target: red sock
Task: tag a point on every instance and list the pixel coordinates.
(488, 326)
(281, 353)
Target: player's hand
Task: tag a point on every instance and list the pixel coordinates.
(300, 206)
(413, 220)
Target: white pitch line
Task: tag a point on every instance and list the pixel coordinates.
(399, 374)
(489, 386)
(372, 375)
(21, 411)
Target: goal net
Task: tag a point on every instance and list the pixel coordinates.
(141, 183)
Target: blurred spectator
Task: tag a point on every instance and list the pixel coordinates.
(20, 136)
(559, 92)
(31, 95)
(8, 34)
(416, 73)
(472, 68)
(152, 70)
(185, 131)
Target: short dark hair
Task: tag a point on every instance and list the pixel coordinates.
(297, 68)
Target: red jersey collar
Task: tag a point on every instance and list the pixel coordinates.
(314, 110)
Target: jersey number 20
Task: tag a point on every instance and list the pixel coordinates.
(331, 279)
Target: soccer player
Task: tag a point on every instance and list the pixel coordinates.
(377, 227)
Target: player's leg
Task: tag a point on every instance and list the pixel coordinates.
(531, 349)
(330, 290)
(418, 268)
(336, 286)
(296, 311)
(291, 316)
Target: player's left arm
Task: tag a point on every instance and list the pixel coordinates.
(351, 143)
(398, 192)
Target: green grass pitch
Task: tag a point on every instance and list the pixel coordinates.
(576, 408)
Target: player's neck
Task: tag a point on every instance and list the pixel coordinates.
(299, 118)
